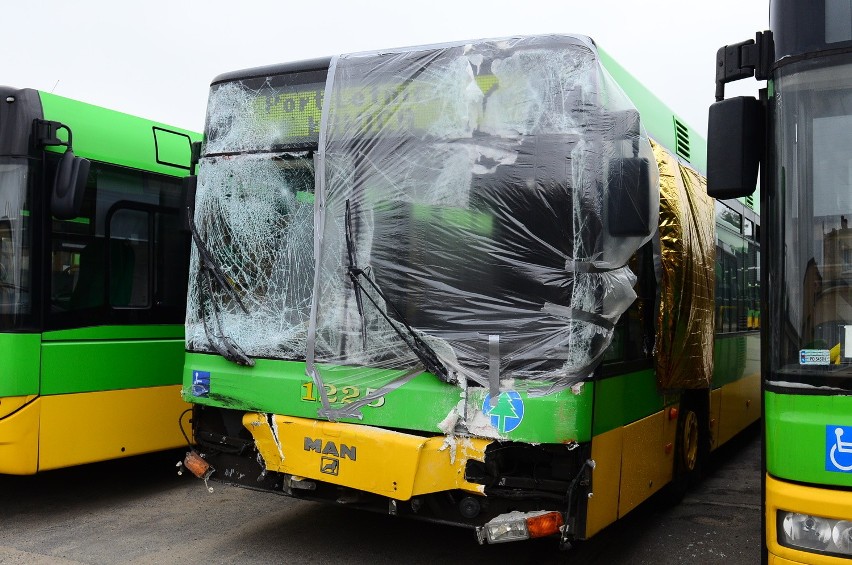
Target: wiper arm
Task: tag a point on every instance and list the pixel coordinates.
(420, 348)
(352, 255)
(212, 273)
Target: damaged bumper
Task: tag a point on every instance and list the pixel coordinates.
(375, 460)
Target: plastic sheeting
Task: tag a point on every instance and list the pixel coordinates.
(472, 196)
(684, 343)
(476, 207)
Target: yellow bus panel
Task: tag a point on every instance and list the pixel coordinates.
(366, 458)
(823, 502)
(648, 459)
(740, 406)
(19, 440)
(715, 411)
(11, 404)
(97, 426)
(606, 480)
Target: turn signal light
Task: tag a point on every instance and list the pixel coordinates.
(197, 465)
(544, 525)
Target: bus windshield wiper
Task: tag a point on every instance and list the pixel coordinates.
(415, 343)
(212, 274)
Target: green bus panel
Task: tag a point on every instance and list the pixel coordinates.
(117, 138)
(20, 364)
(96, 365)
(735, 356)
(422, 404)
(159, 331)
(657, 118)
(800, 437)
(624, 399)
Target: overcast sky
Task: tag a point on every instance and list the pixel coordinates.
(156, 58)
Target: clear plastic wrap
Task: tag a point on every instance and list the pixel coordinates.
(465, 209)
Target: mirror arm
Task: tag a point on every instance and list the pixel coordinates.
(46, 133)
(742, 60)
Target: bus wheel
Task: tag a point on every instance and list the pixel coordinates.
(692, 444)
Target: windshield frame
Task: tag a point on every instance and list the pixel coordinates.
(809, 295)
(18, 249)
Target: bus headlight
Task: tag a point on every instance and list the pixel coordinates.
(516, 526)
(814, 533)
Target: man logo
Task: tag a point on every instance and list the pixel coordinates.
(330, 448)
(330, 466)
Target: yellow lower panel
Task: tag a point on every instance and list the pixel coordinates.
(825, 502)
(775, 560)
(740, 406)
(376, 460)
(10, 404)
(606, 478)
(97, 426)
(19, 440)
(647, 460)
(715, 410)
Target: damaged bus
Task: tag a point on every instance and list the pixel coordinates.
(798, 134)
(92, 282)
(471, 283)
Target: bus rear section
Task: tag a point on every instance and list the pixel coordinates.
(424, 282)
(92, 284)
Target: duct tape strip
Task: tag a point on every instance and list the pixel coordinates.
(494, 367)
(580, 315)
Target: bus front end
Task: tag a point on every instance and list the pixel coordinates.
(807, 260)
(409, 269)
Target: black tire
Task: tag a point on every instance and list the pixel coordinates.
(692, 443)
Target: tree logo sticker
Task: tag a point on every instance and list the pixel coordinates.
(507, 413)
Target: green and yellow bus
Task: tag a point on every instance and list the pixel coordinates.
(799, 133)
(476, 283)
(93, 255)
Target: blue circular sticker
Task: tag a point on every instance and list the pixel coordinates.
(507, 413)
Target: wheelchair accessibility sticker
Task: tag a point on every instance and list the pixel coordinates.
(838, 452)
(200, 383)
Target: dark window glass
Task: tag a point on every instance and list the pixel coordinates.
(123, 260)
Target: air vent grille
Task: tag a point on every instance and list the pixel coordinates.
(749, 200)
(681, 139)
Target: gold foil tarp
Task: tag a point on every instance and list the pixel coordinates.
(684, 342)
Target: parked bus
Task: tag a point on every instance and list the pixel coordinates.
(93, 270)
(461, 283)
(799, 133)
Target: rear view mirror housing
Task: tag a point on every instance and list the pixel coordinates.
(72, 172)
(69, 186)
(629, 212)
(735, 142)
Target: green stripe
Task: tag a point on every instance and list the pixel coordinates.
(20, 363)
(735, 355)
(278, 387)
(161, 331)
(796, 436)
(624, 399)
(88, 366)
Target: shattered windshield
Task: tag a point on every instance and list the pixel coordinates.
(254, 210)
(15, 236)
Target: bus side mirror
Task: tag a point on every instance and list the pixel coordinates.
(629, 212)
(69, 186)
(734, 147)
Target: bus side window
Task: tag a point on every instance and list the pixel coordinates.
(129, 243)
(122, 258)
